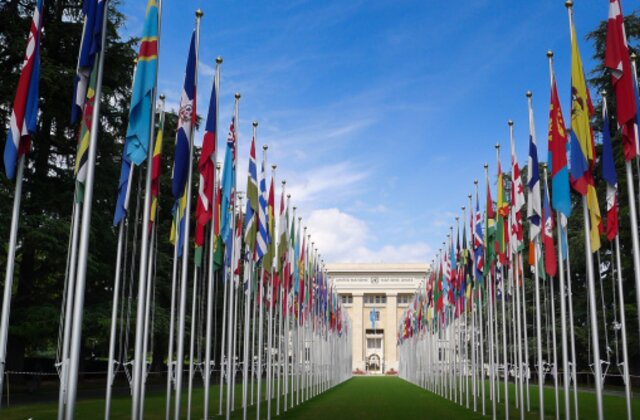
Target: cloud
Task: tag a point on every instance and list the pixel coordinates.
(341, 237)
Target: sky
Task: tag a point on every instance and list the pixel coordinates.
(379, 114)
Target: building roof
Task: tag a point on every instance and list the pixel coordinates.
(378, 267)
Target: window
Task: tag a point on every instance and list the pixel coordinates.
(374, 343)
(346, 299)
(375, 299)
(378, 299)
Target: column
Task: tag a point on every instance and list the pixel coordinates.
(358, 332)
(390, 332)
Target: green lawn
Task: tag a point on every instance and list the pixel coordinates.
(360, 397)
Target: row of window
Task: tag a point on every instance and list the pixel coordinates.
(376, 299)
(374, 343)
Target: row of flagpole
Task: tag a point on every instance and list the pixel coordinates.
(308, 338)
(483, 279)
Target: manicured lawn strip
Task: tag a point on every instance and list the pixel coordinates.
(359, 397)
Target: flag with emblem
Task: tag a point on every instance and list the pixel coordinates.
(156, 165)
(140, 112)
(550, 262)
(251, 214)
(186, 121)
(24, 114)
(262, 237)
(228, 186)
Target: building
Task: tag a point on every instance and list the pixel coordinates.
(375, 296)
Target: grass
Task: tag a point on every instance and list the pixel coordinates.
(359, 397)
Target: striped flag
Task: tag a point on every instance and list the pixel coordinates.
(251, 214)
(534, 206)
(90, 47)
(583, 152)
(177, 225)
(140, 112)
(186, 121)
(204, 207)
(609, 175)
(156, 165)
(82, 152)
(24, 115)
(617, 61)
(271, 234)
(517, 201)
(263, 240)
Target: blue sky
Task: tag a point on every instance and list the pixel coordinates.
(379, 114)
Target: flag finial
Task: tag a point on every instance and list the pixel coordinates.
(274, 167)
(218, 165)
(568, 4)
(549, 54)
(162, 97)
(544, 165)
(510, 122)
(633, 56)
(265, 147)
(475, 181)
(529, 94)
(497, 146)
(237, 95)
(486, 166)
(199, 13)
(463, 207)
(255, 123)
(219, 59)
(603, 92)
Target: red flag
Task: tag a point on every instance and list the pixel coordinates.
(617, 60)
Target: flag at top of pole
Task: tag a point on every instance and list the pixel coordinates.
(24, 115)
(262, 238)
(534, 207)
(186, 119)
(251, 215)
(228, 187)
(139, 128)
(583, 152)
(557, 146)
(90, 47)
(550, 261)
(617, 61)
(204, 207)
(609, 174)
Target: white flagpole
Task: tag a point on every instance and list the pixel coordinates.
(8, 279)
(480, 323)
(623, 328)
(590, 271)
(231, 277)
(210, 272)
(492, 333)
(185, 251)
(83, 249)
(172, 316)
(633, 215)
(192, 339)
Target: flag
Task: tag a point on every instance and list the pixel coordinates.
(502, 207)
(583, 154)
(534, 207)
(268, 258)
(90, 47)
(206, 162)
(122, 202)
(177, 224)
(24, 115)
(186, 121)
(263, 239)
(478, 241)
(156, 164)
(609, 175)
(251, 214)
(616, 59)
(228, 187)
(550, 265)
(140, 111)
(283, 221)
(517, 201)
(489, 246)
(561, 200)
(82, 152)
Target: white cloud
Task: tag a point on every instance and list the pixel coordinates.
(341, 237)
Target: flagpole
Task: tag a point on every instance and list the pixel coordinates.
(186, 244)
(590, 271)
(490, 300)
(479, 306)
(212, 241)
(8, 279)
(230, 320)
(248, 274)
(271, 301)
(623, 327)
(633, 216)
(83, 251)
(261, 301)
(172, 316)
(194, 299)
